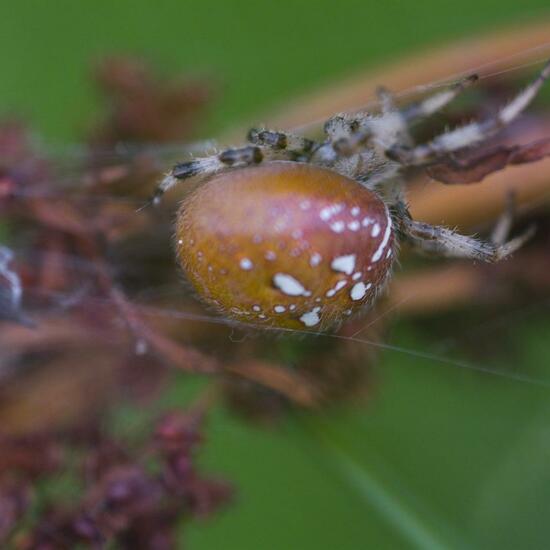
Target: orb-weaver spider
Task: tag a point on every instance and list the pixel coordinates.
(294, 233)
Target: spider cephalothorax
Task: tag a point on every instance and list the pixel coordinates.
(294, 233)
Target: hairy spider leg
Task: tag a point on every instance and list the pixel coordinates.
(435, 239)
(504, 223)
(349, 133)
(437, 101)
(295, 145)
(265, 145)
(472, 133)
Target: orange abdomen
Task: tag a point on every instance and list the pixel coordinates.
(285, 244)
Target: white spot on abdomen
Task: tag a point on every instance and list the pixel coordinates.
(311, 318)
(345, 264)
(326, 213)
(315, 259)
(338, 286)
(382, 246)
(359, 290)
(289, 285)
(246, 264)
(338, 226)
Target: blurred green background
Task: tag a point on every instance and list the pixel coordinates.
(441, 457)
(260, 53)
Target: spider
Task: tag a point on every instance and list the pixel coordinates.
(294, 233)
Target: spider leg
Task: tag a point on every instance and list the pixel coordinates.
(349, 133)
(265, 145)
(435, 102)
(293, 144)
(392, 127)
(469, 134)
(442, 241)
(386, 100)
(207, 166)
(504, 223)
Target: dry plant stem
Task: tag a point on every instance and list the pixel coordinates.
(433, 290)
(182, 357)
(444, 288)
(292, 385)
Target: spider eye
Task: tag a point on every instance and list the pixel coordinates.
(285, 244)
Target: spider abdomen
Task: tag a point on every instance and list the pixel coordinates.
(285, 244)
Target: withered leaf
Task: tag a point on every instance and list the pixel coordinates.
(473, 168)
